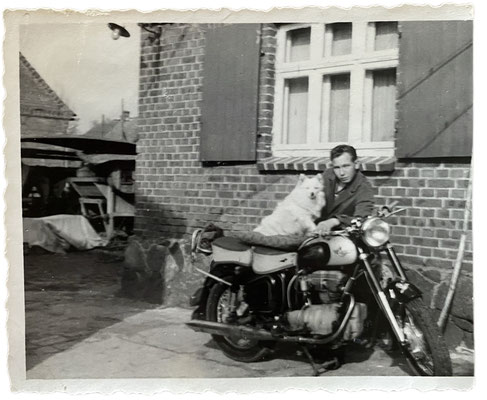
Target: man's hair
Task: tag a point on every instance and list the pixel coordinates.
(343, 148)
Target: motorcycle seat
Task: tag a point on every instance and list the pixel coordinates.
(285, 243)
(231, 250)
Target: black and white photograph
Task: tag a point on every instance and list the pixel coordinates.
(275, 196)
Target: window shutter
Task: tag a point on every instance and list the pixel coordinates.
(435, 86)
(230, 93)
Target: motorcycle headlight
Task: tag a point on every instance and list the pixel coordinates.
(375, 232)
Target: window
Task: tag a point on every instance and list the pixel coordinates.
(296, 100)
(336, 108)
(385, 35)
(335, 83)
(338, 39)
(297, 45)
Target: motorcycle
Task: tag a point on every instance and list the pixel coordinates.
(320, 292)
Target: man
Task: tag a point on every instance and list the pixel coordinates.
(348, 192)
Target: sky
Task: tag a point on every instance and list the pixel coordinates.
(86, 68)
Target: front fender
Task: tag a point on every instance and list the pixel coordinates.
(403, 291)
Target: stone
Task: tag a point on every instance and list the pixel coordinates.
(462, 306)
(145, 286)
(177, 254)
(134, 256)
(164, 242)
(469, 340)
(154, 288)
(181, 284)
(161, 271)
(156, 258)
(180, 290)
(463, 324)
(132, 283)
(453, 336)
(426, 287)
(433, 274)
(171, 269)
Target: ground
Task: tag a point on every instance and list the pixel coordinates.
(78, 326)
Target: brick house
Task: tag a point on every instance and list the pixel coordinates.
(230, 114)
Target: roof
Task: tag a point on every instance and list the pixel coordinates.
(112, 130)
(69, 151)
(45, 155)
(37, 98)
(87, 145)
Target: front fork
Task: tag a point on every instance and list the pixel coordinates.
(391, 254)
(380, 295)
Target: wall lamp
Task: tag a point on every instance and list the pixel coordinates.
(155, 32)
(118, 31)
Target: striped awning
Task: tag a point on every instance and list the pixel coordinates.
(368, 164)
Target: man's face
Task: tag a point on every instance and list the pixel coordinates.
(344, 168)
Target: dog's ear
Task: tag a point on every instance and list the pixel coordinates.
(301, 179)
(320, 178)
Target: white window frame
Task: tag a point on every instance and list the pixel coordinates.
(361, 60)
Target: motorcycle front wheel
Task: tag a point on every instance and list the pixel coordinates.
(426, 350)
(236, 348)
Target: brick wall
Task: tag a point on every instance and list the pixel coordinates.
(435, 194)
(175, 193)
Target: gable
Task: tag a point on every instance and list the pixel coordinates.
(37, 99)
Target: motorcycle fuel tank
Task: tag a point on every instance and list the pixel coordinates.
(321, 253)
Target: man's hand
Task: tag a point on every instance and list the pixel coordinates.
(325, 227)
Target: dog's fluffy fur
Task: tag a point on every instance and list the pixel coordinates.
(295, 215)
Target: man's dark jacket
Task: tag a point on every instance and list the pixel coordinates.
(356, 200)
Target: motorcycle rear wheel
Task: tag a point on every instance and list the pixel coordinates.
(236, 348)
(426, 351)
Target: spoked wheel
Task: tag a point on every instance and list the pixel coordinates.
(426, 350)
(238, 348)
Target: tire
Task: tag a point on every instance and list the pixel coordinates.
(243, 350)
(426, 352)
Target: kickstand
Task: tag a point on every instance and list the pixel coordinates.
(324, 367)
(311, 361)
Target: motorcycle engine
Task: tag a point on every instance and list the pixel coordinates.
(327, 285)
(322, 317)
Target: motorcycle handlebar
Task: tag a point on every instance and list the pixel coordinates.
(384, 212)
(334, 233)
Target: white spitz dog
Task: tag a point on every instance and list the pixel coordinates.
(295, 215)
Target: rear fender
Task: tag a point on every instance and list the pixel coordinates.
(200, 297)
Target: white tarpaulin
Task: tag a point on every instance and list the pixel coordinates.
(57, 233)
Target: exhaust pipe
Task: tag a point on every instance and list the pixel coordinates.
(216, 328)
(247, 332)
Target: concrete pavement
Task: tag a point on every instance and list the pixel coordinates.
(157, 344)
(77, 326)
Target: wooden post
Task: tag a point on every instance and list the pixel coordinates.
(122, 117)
(110, 211)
